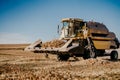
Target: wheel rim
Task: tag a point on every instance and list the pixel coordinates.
(92, 54)
(115, 56)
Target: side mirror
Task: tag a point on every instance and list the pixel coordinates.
(58, 29)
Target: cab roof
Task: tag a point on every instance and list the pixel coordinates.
(71, 19)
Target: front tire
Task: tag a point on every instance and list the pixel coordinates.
(90, 53)
(90, 50)
(63, 57)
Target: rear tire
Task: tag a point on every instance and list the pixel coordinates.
(114, 55)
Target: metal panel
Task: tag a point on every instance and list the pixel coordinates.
(102, 44)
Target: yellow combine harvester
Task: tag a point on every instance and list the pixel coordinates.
(86, 39)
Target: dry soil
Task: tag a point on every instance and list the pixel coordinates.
(16, 64)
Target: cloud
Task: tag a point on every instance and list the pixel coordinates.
(13, 38)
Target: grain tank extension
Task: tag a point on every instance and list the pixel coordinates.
(87, 39)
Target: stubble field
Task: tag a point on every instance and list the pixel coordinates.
(16, 64)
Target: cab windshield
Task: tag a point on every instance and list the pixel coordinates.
(65, 24)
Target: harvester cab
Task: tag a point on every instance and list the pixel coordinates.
(73, 28)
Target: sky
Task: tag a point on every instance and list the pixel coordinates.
(25, 21)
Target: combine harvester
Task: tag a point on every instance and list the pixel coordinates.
(86, 39)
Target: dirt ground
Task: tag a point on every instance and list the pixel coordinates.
(16, 64)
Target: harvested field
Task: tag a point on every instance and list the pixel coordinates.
(13, 46)
(16, 64)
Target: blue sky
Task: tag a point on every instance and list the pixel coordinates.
(25, 21)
